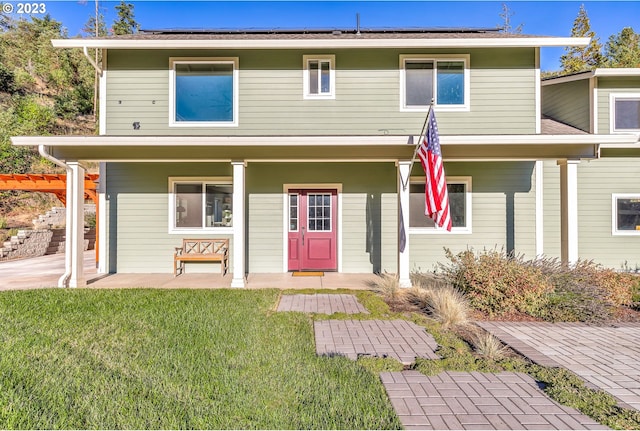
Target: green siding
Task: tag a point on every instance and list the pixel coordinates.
(368, 229)
(607, 86)
(597, 181)
(502, 93)
(138, 210)
(568, 103)
(503, 214)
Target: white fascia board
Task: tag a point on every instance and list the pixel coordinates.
(320, 43)
(298, 141)
(615, 72)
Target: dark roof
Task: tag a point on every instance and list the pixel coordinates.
(310, 34)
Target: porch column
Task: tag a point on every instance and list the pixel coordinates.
(238, 225)
(403, 223)
(101, 216)
(569, 211)
(74, 244)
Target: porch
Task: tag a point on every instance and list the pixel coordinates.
(43, 272)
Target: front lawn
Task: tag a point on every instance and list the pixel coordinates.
(174, 359)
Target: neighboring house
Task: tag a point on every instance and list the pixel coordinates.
(602, 101)
(295, 146)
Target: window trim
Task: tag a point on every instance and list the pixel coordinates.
(614, 214)
(234, 61)
(172, 205)
(612, 111)
(467, 181)
(465, 58)
(332, 76)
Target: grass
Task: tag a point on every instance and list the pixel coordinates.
(143, 359)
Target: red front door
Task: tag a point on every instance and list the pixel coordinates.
(312, 230)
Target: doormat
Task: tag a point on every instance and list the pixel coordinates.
(307, 273)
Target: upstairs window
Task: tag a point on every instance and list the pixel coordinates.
(445, 80)
(625, 113)
(319, 77)
(203, 92)
(459, 191)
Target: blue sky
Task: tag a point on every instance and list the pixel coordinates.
(549, 18)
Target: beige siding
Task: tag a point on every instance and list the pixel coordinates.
(568, 102)
(503, 214)
(265, 232)
(597, 181)
(502, 93)
(138, 206)
(607, 86)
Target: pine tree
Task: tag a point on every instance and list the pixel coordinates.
(506, 19)
(623, 49)
(578, 59)
(126, 23)
(90, 26)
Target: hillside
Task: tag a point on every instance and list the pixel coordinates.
(43, 91)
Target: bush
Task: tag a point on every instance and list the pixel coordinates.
(443, 304)
(498, 284)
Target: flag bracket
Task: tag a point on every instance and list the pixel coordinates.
(405, 182)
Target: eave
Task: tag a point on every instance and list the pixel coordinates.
(319, 148)
(323, 43)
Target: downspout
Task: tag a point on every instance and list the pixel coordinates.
(85, 50)
(63, 281)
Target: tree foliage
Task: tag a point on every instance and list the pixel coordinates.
(623, 49)
(578, 59)
(126, 22)
(506, 15)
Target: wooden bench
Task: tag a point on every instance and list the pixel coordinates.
(201, 250)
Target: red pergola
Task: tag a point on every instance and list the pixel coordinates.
(52, 183)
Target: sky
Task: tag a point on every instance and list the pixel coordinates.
(546, 18)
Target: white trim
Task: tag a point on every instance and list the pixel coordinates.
(306, 79)
(614, 214)
(330, 42)
(611, 72)
(309, 141)
(593, 105)
(234, 61)
(569, 210)
(238, 221)
(172, 229)
(102, 110)
(76, 241)
(538, 94)
(539, 169)
(467, 181)
(435, 58)
(285, 216)
(103, 255)
(612, 111)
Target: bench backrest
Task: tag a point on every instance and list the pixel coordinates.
(205, 246)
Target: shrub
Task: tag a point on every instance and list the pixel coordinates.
(498, 284)
(488, 346)
(387, 286)
(445, 304)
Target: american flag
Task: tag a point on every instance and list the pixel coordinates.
(436, 196)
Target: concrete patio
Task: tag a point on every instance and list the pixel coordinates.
(44, 271)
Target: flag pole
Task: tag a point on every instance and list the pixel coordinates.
(415, 150)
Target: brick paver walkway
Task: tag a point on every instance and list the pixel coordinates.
(396, 339)
(607, 358)
(476, 401)
(321, 303)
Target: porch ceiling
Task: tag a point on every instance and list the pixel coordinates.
(317, 148)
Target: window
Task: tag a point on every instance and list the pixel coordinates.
(203, 92)
(445, 80)
(459, 190)
(625, 112)
(626, 214)
(319, 77)
(197, 205)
